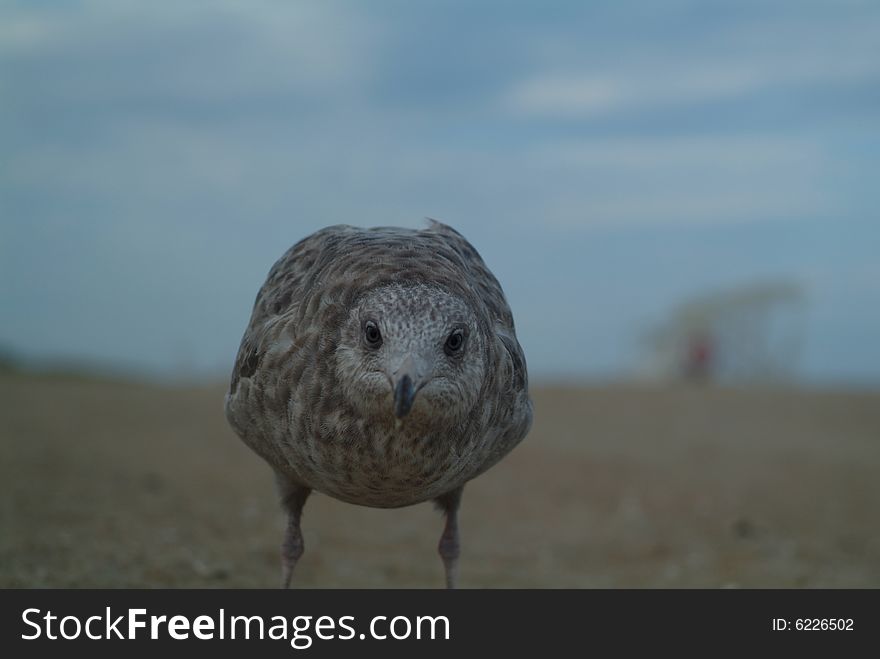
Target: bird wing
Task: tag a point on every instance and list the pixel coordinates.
(491, 295)
(486, 285)
(291, 283)
(512, 413)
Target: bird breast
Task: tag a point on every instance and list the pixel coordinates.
(380, 465)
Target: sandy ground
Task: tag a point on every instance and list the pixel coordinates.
(123, 485)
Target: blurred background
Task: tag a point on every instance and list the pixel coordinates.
(680, 200)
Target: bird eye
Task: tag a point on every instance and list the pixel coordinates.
(455, 342)
(372, 334)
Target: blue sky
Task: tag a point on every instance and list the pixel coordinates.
(608, 159)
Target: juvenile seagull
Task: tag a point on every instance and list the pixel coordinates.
(380, 367)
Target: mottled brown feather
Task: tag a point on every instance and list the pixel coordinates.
(286, 399)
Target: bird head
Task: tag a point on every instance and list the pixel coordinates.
(414, 353)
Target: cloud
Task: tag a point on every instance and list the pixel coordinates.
(557, 95)
(683, 180)
(207, 51)
(731, 62)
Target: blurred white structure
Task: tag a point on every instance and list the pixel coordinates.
(748, 334)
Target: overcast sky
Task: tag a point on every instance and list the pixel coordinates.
(608, 159)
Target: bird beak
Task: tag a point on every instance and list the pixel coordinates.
(404, 395)
(407, 381)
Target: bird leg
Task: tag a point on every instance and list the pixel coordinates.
(449, 546)
(293, 498)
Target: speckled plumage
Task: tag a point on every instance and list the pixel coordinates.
(316, 400)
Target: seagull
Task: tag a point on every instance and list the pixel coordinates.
(380, 367)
